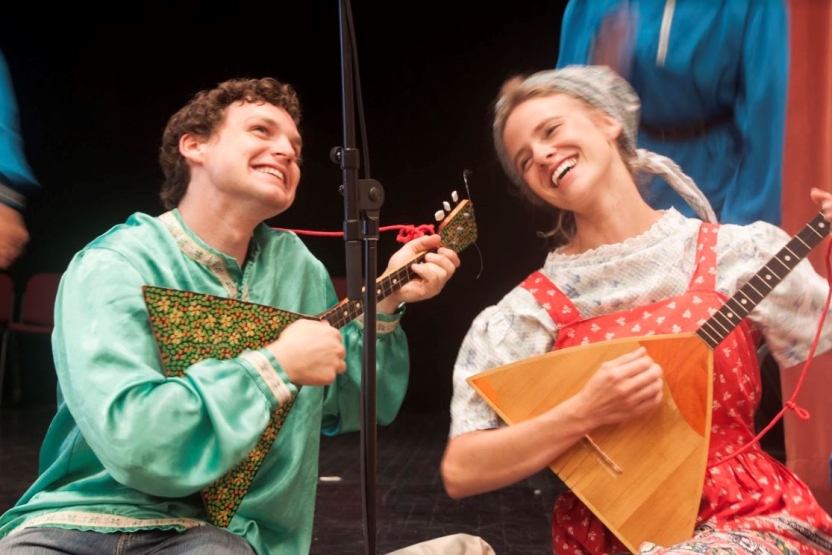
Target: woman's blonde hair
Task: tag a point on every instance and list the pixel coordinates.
(599, 88)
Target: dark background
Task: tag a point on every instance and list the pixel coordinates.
(95, 97)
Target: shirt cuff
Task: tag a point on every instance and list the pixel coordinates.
(11, 197)
(385, 323)
(274, 377)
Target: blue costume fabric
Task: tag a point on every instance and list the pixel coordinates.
(713, 79)
(17, 181)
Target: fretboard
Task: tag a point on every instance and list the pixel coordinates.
(729, 316)
(346, 311)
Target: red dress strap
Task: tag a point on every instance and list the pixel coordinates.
(556, 303)
(704, 273)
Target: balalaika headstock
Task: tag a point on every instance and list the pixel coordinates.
(457, 226)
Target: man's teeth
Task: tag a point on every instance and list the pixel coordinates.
(561, 170)
(271, 171)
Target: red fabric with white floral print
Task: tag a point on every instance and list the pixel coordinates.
(752, 492)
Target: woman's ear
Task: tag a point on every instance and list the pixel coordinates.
(610, 127)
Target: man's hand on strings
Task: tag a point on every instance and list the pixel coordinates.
(431, 274)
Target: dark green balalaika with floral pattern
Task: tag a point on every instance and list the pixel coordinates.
(190, 327)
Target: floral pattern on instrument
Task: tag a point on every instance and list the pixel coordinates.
(191, 327)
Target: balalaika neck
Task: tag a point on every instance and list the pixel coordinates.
(729, 316)
(346, 311)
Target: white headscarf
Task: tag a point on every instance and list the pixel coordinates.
(606, 90)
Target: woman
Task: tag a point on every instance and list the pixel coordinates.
(567, 138)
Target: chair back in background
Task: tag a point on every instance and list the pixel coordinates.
(340, 284)
(37, 309)
(35, 319)
(6, 299)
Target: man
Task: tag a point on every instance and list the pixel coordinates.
(17, 181)
(132, 450)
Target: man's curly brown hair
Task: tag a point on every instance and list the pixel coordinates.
(203, 115)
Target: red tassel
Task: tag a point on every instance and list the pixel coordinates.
(408, 233)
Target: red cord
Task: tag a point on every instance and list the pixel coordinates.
(791, 404)
(406, 232)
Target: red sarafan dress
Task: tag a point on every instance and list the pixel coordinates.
(750, 503)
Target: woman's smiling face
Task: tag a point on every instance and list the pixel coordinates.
(561, 146)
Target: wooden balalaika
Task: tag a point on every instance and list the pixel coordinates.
(190, 327)
(642, 478)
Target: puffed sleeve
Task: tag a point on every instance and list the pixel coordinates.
(790, 313)
(514, 329)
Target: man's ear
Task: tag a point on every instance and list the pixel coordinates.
(191, 148)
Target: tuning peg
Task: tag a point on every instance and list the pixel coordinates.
(447, 206)
(454, 196)
(439, 215)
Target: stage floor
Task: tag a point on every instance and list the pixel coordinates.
(411, 504)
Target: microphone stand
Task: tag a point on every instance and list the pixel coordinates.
(362, 199)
